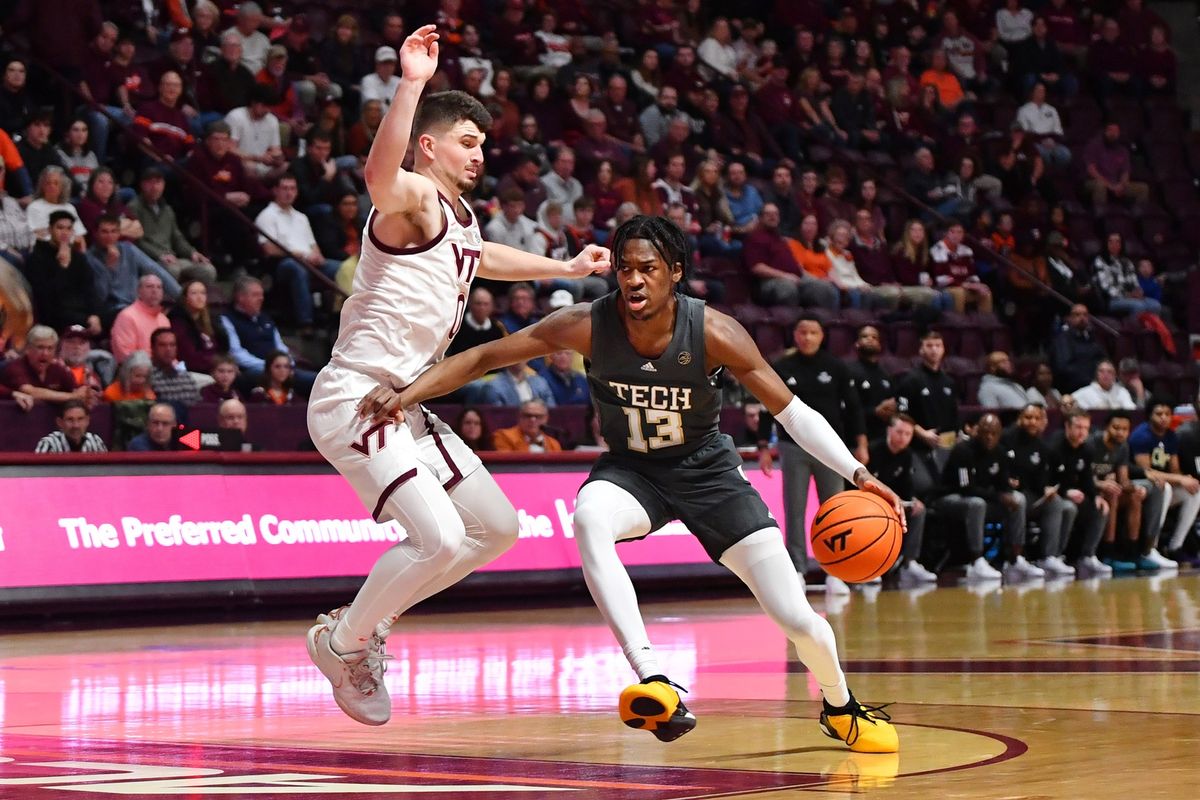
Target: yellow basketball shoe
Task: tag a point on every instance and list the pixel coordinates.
(866, 729)
(654, 705)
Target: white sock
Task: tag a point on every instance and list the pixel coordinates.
(643, 660)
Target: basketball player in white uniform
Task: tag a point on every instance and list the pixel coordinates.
(421, 249)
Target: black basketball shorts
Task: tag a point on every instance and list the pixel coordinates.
(706, 491)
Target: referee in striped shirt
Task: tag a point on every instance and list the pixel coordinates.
(72, 435)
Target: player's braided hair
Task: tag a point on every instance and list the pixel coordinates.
(666, 237)
(447, 108)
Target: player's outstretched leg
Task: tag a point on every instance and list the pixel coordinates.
(605, 514)
(348, 647)
(763, 564)
(491, 528)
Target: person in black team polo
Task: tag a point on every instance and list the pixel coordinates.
(928, 395)
(1029, 462)
(874, 385)
(894, 462)
(822, 382)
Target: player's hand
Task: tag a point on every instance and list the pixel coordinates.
(867, 482)
(766, 462)
(381, 404)
(419, 54)
(592, 260)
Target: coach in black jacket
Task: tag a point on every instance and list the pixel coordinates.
(822, 382)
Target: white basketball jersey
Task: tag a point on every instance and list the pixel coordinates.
(408, 303)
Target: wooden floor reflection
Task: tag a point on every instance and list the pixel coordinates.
(1083, 689)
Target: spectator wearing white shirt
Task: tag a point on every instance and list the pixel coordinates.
(554, 47)
(513, 228)
(254, 43)
(561, 185)
(1014, 24)
(1104, 393)
(1041, 119)
(255, 134)
(381, 84)
(717, 53)
(292, 230)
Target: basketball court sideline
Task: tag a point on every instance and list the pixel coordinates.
(1065, 690)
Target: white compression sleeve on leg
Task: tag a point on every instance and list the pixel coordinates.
(604, 514)
(814, 433)
(762, 562)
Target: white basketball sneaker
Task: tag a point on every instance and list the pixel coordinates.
(1090, 565)
(1019, 569)
(357, 678)
(836, 586)
(981, 570)
(913, 572)
(1054, 566)
(1162, 561)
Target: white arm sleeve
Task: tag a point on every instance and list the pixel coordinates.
(812, 432)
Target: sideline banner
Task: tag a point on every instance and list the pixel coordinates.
(62, 531)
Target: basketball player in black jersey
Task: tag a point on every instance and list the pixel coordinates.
(655, 355)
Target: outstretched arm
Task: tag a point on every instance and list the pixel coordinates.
(728, 345)
(501, 262)
(566, 329)
(393, 190)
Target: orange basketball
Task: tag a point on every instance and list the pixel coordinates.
(856, 536)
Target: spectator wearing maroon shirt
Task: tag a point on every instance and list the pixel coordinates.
(130, 81)
(685, 77)
(219, 168)
(38, 375)
(198, 340)
(775, 105)
(619, 110)
(523, 177)
(597, 146)
(678, 143)
(99, 86)
(1111, 62)
(181, 57)
(747, 136)
(1108, 164)
(604, 194)
(1136, 22)
(1158, 65)
(163, 122)
(834, 205)
(913, 268)
(954, 271)
(870, 251)
(781, 280)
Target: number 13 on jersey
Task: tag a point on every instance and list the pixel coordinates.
(668, 428)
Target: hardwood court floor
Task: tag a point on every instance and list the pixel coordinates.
(1081, 690)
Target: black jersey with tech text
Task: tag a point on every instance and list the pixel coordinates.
(665, 407)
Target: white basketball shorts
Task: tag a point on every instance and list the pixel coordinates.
(377, 458)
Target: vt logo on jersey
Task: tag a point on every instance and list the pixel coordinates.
(467, 261)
